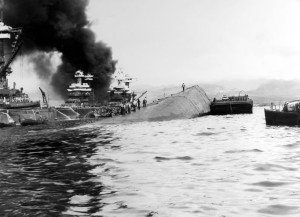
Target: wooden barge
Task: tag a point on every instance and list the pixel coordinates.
(232, 105)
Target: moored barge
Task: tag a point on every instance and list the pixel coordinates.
(232, 105)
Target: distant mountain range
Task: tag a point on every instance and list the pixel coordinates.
(263, 92)
(277, 91)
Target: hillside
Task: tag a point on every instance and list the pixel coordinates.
(263, 92)
(277, 91)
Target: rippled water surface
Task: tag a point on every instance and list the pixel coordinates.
(208, 166)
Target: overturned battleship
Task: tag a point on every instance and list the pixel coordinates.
(191, 103)
(123, 103)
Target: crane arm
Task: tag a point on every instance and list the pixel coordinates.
(45, 102)
(142, 94)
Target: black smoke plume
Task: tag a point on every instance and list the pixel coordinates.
(42, 64)
(62, 25)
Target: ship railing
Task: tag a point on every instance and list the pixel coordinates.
(276, 107)
(242, 97)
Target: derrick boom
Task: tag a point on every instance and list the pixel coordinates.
(45, 102)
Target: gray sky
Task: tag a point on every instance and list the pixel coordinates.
(162, 42)
(170, 41)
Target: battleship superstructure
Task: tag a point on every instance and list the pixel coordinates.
(80, 93)
(10, 42)
(81, 102)
(13, 102)
(120, 91)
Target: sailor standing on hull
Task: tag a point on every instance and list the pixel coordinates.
(139, 104)
(144, 102)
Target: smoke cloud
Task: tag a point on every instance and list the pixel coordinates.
(62, 25)
(43, 65)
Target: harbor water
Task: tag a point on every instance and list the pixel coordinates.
(209, 166)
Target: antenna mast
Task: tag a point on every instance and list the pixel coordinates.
(8, 33)
(3, 35)
(1, 10)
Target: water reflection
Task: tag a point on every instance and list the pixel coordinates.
(209, 166)
(49, 174)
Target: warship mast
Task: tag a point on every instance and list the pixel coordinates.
(7, 33)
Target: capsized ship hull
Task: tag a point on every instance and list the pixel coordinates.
(193, 102)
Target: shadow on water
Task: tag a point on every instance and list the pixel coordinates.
(42, 175)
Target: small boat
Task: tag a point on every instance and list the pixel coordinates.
(240, 104)
(289, 115)
(6, 120)
(31, 117)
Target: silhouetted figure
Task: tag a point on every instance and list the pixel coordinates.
(183, 87)
(133, 106)
(272, 106)
(139, 104)
(144, 102)
(123, 110)
(128, 108)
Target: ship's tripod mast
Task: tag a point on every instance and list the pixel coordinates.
(8, 33)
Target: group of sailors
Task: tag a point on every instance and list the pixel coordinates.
(127, 107)
(14, 99)
(232, 98)
(289, 106)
